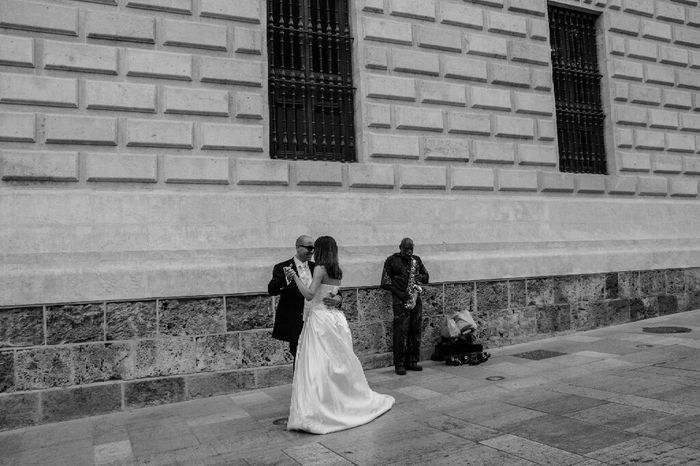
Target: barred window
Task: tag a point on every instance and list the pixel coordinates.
(577, 91)
(310, 80)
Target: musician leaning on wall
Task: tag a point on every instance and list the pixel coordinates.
(402, 275)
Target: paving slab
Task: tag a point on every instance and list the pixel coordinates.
(461, 428)
(646, 451)
(617, 396)
(616, 416)
(533, 451)
(567, 434)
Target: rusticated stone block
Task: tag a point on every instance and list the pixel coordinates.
(459, 297)
(273, 376)
(21, 327)
(61, 405)
(39, 165)
(553, 318)
(183, 7)
(388, 334)
(374, 304)
(375, 361)
(123, 167)
(644, 308)
(368, 337)
(540, 291)
(18, 410)
(667, 305)
(688, 301)
(131, 320)
(683, 300)
(675, 281)
(575, 288)
(652, 282)
(611, 286)
(7, 371)
(430, 331)
(42, 368)
(612, 312)
(74, 323)
(491, 295)
(583, 316)
(163, 357)
(192, 316)
(248, 312)
(517, 293)
(39, 17)
(692, 279)
(154, 392)
(510, 326)
(628, 284)
(349, 304)
(218, 352)
(247, 11)
(100, 362)
(204, 385)
(260, 349)
(481, 318)
(433, 300)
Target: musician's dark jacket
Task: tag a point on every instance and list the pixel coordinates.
(290, 308)
(395, 275)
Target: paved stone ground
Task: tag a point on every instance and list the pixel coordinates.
(618, 396)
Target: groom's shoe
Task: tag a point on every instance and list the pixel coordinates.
(414, 367)
(400, 370)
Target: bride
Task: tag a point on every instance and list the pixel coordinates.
(329, 390)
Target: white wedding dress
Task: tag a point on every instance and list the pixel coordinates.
(330, 391)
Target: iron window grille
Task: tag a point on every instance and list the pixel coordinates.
(310, 80)
(577, 91)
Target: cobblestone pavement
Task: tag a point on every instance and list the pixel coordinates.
(617, 396)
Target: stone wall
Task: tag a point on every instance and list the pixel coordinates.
(466, 89)
(71, 360)
(134, 91)
(452, 96)
(140, 126)
(134, 167)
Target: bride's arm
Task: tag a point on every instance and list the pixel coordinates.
(310, 291)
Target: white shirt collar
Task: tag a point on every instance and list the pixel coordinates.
(299, 263)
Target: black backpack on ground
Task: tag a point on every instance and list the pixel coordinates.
(460, 350)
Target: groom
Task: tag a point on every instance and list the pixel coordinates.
(290, 307)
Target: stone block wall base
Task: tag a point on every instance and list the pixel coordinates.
(66, 361)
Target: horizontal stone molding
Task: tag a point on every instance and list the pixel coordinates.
(197, 229)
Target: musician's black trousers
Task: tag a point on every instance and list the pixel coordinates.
(407, 333)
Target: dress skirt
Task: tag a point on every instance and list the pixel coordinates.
(330, 391)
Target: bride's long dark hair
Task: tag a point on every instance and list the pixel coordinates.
(326, 254)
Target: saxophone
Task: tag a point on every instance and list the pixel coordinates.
(413, 289)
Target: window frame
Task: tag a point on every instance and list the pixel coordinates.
(311, 97)
(577, 87)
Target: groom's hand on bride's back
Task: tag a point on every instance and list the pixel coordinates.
(333, 300)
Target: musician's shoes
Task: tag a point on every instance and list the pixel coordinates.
(400, 370)
(414, 367)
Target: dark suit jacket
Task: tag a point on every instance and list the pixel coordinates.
(290, 308)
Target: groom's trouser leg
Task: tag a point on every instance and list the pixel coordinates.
(415, 323)
(400, 331)
(293, 350)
